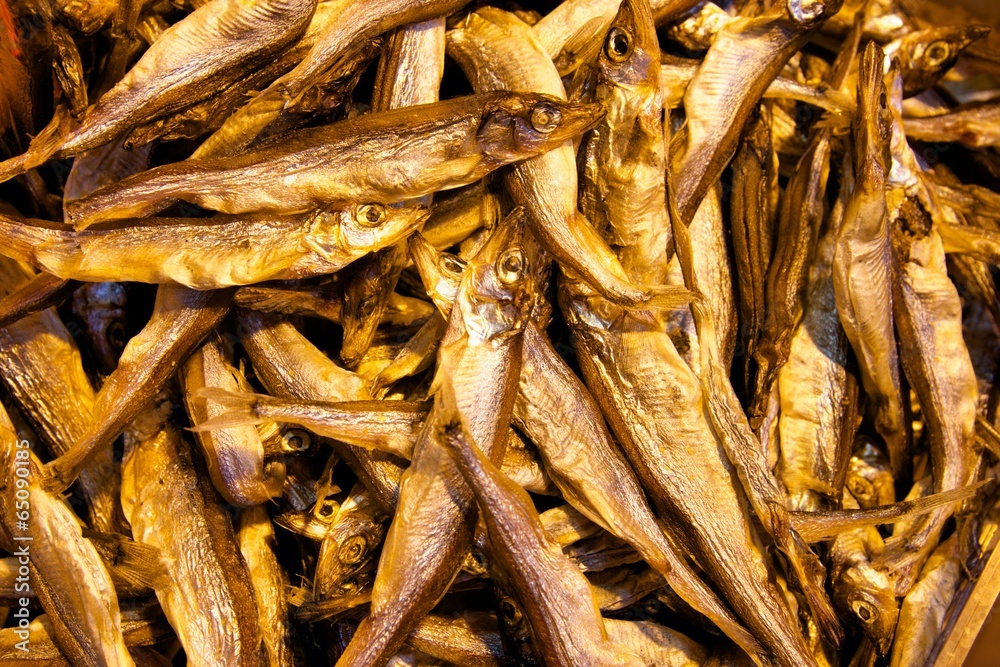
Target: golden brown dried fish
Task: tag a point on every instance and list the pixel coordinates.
(37, 294)
(862, 262)
(270, 583)
(922, 615)
(471, 639)
(654, 405)
(752, 216)
(745, 57)
(170, 506)
(181, 319)
(65, 570)
(928, 314)
(563, 616)
(862, 587)
(409, 73)
(217, 252)
(869, 477)
(814, 390)
(497, 50)
(348, 27)
(452, 143)
(40, 366)
(324, 301)
(222, 37)
(234, 455)
(351, 545)
(926, 55)
(974, 125)
(478, 363)
(624, 153)
(289, 366)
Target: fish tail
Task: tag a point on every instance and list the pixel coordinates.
(811, 575)
(19, 239)
(669, 297)
(242, 409)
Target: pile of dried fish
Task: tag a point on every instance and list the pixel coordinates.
(428, 332)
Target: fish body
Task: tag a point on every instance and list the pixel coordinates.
(172, 508)
(181, 319)
(65, 570)
(478, 365)
(234, 456)
(222, 37)
(212, 253)
(450, 144)
(862, 262)
(41, 367)
(270, 583)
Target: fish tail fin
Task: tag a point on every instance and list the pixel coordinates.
(811, 576)
(130, 562)
(669, 297)
(242, 409)
(823, 525)
(12, 167)
(20, 240)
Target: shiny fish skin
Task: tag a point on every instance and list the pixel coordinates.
(862, 262)
(222, 37)
(498, 51)
(938, 366)
(43, 372)
(479, 362)
(170, 506)
(181, 319)
(746, 56)
(625, 150)
(454, 143)
(270, 583)
(565, 622)
(66, 572)
(37, 294)
(217, 252)
(974, 126)
(813, 386)
(235, 455)
(661, 425)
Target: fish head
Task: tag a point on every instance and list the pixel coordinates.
(867, 596)
(515, 633)
(925, 55)
(873, 120)
(869, 477)
(630, 54)
(523, 125)
(440, 272)
(494, 297)
(364, 227)
(811, 12)
(101, 307)
(348, 554)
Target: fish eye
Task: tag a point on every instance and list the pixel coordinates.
(296, 440)
(371, 215)
(545, 118)
(452, 264)
(353, 550)
(868, 613)
(349, 587)
(510, 266)
(618, 45)
(937, 53)
(510, 611)
(115, 335)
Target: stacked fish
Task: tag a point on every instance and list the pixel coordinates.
(427, 332)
